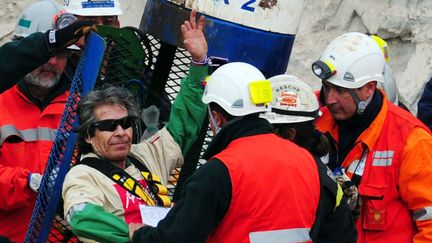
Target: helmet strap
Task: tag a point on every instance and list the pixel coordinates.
(213, 122)
(361, 105)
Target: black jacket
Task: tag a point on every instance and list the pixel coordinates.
(207, 196)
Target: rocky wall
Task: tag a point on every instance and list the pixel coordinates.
(405, 24)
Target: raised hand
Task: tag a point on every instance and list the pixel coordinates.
(193, 37)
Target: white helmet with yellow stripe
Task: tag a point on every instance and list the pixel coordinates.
(239, 88)
(350, 61)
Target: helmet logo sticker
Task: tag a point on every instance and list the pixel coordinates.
(237, 104)
(24, 22)
(288, 96)
(98, 4)
(349, 77)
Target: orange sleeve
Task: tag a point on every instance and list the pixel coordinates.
(415, 180)
(14, 189)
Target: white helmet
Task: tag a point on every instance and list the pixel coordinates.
(37, 17)
(293, 101)
(93, 7)
(239, 88)
(350, 61)
(389, 85)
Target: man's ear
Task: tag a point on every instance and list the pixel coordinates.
(370, 88)
(292, 134)
(220, 119)
(88, 139)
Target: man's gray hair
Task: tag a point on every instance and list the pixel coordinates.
(88, 104)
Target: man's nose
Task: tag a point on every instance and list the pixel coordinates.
(119, 131)
(330, 96)
(53, 60)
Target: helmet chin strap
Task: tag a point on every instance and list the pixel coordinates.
(361, 105)
(213, 122)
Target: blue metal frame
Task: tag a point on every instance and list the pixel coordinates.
(64, 145)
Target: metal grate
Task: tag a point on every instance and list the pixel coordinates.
(62, 154)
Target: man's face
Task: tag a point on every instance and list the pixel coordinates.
(102, 20)
(98, 20)
(339, 101)
(48, 75)
(112, 145)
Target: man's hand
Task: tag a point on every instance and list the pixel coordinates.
(134, 227)
(193, 37)
(62, 38)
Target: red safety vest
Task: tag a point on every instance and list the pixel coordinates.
(21, 120)
(384, 216)
(275, 191)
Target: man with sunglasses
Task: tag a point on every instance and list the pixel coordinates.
(103, 193)
(379, 147)
(33, 92)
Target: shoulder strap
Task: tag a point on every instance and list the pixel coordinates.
(122, 178)
(141, 166)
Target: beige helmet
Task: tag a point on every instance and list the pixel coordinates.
(37, 17)
(93, 7)
(293, 101)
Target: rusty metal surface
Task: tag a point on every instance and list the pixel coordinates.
(267, 4)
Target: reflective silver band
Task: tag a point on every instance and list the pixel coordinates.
(423, 214)
(281, 236)
(28, 135)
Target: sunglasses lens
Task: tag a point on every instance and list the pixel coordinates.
(106, 125)
(111, 125)
(126, 122)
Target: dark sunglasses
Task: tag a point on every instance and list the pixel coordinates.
(110, 125)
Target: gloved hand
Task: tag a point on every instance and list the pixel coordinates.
(34, 181)
(351, 192)
(150, 116)
(62, 38)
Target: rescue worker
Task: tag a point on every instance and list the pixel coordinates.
(389, 85)
(107, 13)
(102, 13)
(256, 186)
(294, 110)
(97, 205)
(30, 110)
(382, 149)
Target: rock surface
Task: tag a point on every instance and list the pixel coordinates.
(405, 24)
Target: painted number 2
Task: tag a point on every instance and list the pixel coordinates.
(246, 6)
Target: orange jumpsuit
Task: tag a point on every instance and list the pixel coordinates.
(396, 181)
